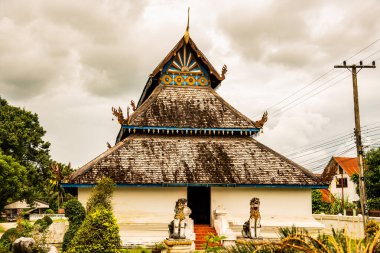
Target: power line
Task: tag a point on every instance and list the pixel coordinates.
(312, 161)
(297, 91)
(320, 149)
(317, 167)
(361, 50)
(327, 141)
(279, 111)
(321, 145)
(320, 77)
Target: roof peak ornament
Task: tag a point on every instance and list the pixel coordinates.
(260, 123)
(187, 34)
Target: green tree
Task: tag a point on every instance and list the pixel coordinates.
(372, 178)
(13, 178)
(101, 195)
(318, 205)
(75, 212)
(21, 137)
(56, 193)
(99, 231)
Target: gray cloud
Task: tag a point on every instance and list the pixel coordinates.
(300, 33)
(70, 61)
(42, 41)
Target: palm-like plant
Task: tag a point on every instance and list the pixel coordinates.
(59, 173)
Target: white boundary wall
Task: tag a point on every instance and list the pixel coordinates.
(353, 225)
(142, 204)
(278, 208)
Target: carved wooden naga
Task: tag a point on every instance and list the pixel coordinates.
(118, 113)
(264, 119)
(224, 71)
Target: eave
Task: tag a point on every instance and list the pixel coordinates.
(190, 130)
(282, 186)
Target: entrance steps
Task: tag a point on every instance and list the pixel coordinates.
(201, 230)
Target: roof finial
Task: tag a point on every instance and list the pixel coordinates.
(187, 34)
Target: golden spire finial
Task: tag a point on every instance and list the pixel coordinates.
(187, 34)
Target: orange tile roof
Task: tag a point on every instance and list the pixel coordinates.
(326, 195)
(348, 164)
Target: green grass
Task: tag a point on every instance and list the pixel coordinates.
(2, 230)
(60, 220)
(136, 250)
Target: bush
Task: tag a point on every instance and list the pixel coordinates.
(101, 195)
(49, 211)
(374, 204)
(371, 228)
(75, 213)
(47, 220)
(43, 224)
(9, 237)
(318, 205)
(98, 233)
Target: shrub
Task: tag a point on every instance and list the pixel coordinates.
(318, 205)
(9, 237)
(101, 194)
(43, 224)
(24, 227)
(374, 204)
(98, 233)
(47, 220)
(4, 248)
(371, 228)
(75, 212)
(49, 211)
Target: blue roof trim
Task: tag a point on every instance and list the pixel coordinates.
(195, 130)
(64, 185)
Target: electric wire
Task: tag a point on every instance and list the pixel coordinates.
(311, 96)
(314, 81)
(323, 148)
(346, 135)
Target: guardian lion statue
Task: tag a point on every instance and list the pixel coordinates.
(178, 225)
(251, 227)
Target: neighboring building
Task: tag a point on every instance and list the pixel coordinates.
(13, 209)
(185, 141)
(338, 174)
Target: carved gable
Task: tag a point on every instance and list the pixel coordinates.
(183, 69)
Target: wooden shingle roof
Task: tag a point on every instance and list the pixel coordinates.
(198, 107)
(173, 159)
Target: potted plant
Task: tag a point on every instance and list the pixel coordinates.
(159, 247)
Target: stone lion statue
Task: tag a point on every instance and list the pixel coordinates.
(178, 225)
(251, 227)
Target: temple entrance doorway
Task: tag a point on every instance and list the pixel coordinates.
(198, 199)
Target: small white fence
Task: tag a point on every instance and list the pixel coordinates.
(34, 217)
(353, 225)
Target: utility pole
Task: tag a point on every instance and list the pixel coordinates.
(359, 146)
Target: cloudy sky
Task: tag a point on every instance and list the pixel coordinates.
(71, 61)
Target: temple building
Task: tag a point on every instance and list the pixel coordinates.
(183, 140)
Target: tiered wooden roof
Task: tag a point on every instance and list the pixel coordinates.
(183, 133)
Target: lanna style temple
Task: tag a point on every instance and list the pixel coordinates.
(185, 141)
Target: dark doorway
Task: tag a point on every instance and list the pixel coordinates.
(198, 199)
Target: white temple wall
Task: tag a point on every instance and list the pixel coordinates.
(142, 204)
(278, 206)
